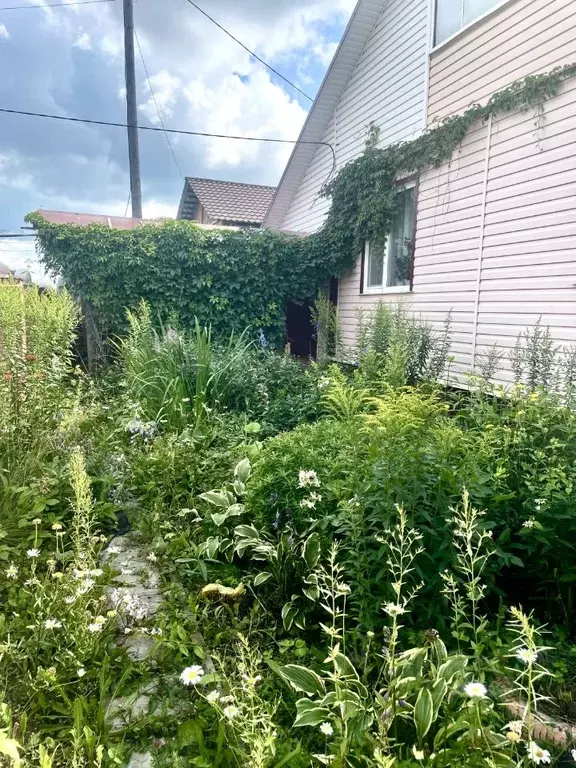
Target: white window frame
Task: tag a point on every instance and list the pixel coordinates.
(382, 289)
(437, 46)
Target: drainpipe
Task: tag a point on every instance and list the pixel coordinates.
(481, 243)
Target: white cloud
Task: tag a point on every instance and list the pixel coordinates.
(167, 90)
(4, 34)
(84, 42)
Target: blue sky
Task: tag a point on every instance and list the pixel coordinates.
(70, 61)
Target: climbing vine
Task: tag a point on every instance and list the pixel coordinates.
(363, 193)
(236, 279)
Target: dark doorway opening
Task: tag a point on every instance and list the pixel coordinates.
(300, 330)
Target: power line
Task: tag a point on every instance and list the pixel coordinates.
(55, 5)
(171, 148)
(275, 71)
(178, 132)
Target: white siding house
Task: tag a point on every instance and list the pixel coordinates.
(495, 235)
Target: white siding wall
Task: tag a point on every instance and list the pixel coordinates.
(528, 252)
(387, 87)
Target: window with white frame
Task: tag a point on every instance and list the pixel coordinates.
(388, 266)
(454, 15)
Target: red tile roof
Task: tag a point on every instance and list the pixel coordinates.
(226, 201)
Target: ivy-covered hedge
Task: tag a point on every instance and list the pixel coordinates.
(229, 278)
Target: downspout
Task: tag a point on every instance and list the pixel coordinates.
(481, 243)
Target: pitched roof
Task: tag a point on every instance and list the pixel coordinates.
(356, 35)
(82, 219)
(226, 200)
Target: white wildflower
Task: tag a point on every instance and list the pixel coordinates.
(31, 553)
(528, 523)
(81, 672)
(70, 599)
(192, 675)
(52, 624)
(308, 504)
(307, 478)
(537, 754)
(96, 572)
(95, 627)
(152, 557)
(213, 696)
(475, 690)
(526, 655)
(231, 711)
(326, 729)
(515, 726)
(573, 753)
(393, 609)
(57, 526)
(12, 572)
(86, 586)
(418, 753)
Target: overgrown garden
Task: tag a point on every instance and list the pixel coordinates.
(359, 566)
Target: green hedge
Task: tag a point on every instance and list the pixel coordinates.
(232, 279)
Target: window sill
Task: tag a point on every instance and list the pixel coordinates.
(386, 291)
(469, 26)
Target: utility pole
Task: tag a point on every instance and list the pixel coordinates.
(132, 110)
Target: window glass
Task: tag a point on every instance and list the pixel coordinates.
(389, 265)
(375, 265)
(400, 244)
(452, 15)
(448, 19)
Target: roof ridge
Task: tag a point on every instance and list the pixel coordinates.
(233, 183)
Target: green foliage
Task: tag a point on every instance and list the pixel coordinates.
(229, 280)
(363, 196)
(399, 348)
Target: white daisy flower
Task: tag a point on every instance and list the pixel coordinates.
(52, 624)
(475, 690)
(11, 572)
(538, 755)
(192, 675)
(94, 627)
(31, 553)
(526, 655)
(326, 729)
(152, 557)
(213, 696)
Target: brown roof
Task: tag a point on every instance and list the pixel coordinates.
(82, 219)
(226, 201)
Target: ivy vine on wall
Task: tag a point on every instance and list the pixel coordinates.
(245, 278)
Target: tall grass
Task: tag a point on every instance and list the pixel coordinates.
(173, 379)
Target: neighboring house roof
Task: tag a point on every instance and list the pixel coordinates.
(356, 35)
(82, 219)
(226, 201)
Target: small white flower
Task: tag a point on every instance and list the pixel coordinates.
(393, 609)
(475, 690)
(57, 526)
(81, 672)
(86, 586)
(192, 675)
(308, 504)
(526, 655)
(231, 711)
(213, 696)
(70, 599)
(528, 523)
(152, 557)
(100, 620)
(32, 582)
(12, 572)
(96, 572)
(515, 726)
(94, 627)
(573, 753)
(31, 553)
(418, 753)
(307, 478)
(537, 754)
(52, 624)
(326, 729)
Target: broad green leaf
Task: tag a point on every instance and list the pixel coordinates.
(217, 498)
(261, 578)
(303, 679)
(344, 666)
(311, 551)
(438, 692)
(243, 470)
(219, 518)
(247, 531)
(451, 667)
(310, 713)
(423, 713)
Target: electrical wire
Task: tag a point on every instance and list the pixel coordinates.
(55, 5)
(240, 43)
(170, 147)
